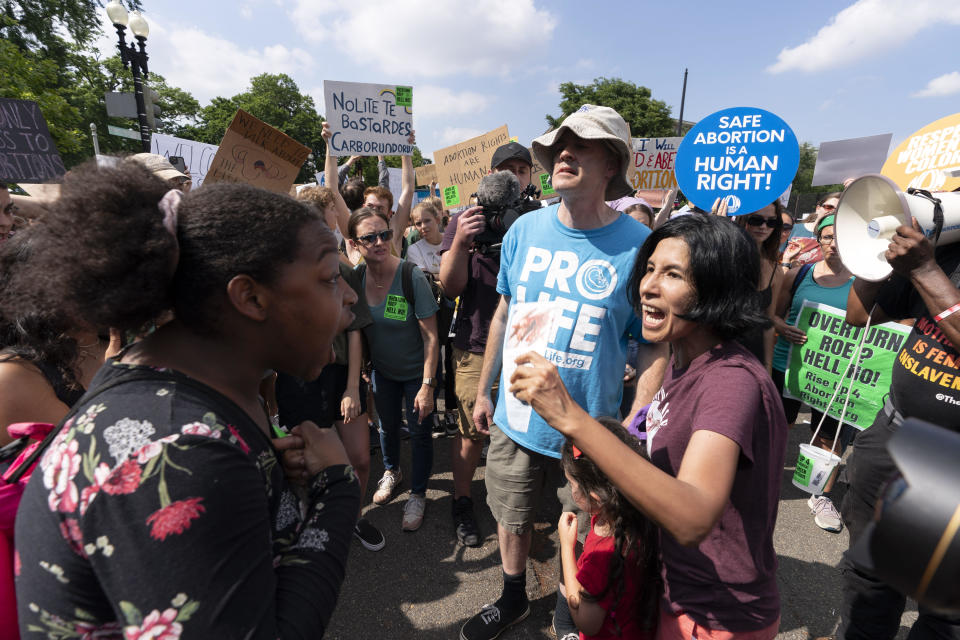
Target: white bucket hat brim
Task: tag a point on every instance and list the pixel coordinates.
(591, 122)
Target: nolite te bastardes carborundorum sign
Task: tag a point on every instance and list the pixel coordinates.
(747, 155)
(369, 119)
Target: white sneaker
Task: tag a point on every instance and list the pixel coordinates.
(413, 512)
(825, 514)
(386, 486)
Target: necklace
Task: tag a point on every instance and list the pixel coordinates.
(378, 285)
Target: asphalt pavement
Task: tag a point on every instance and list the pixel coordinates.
(425, 585)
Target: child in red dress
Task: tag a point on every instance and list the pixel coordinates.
(613, 589)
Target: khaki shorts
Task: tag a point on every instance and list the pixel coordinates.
(515, 479)
(467, 368)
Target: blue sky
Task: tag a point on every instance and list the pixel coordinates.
(831, 68)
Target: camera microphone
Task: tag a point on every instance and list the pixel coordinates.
(498, 190)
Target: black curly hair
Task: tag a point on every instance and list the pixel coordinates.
(724, 267)
(635, 536)
(40, 336)
(103, 256)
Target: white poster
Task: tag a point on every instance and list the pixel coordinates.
(196, 155)
(369, 119)
(529, 328)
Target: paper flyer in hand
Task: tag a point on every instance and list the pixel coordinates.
(530, 327)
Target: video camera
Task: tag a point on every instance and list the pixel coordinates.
(503, 202)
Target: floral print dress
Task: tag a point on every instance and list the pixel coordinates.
(161, 511)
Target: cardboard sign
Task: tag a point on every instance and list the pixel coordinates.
(197, 155)
(924, 159)
(654, 160)
(841, 159)
(540, 178)
(460, 167)
(426, 175)
(255, 153)
(816, 368)
(27, 152)
(744, 154)
(369, 119)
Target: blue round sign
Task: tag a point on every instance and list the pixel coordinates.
(747, 155)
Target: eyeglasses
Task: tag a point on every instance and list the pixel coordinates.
(827, 239)
(759, 221)
(828, 207)
(371, 238)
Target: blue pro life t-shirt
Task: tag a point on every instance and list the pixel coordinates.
(587, 271)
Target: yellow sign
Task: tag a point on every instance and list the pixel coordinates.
(926, 158)
(426, 174)
(464, 165)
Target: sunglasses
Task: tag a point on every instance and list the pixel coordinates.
(788, 227)
(371, 238)
(828, 207)
(759, 221)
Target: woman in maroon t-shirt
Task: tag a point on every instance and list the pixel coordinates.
(716, 432)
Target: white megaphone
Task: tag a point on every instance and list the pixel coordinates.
(871, 209)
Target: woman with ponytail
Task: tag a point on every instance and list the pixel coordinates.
(163, 508)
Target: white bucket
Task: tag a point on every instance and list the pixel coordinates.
(814, 467)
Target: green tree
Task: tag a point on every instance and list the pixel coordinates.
(275, 99)
(27, 77)
(647, 117)
(46, 56)
(368, 165)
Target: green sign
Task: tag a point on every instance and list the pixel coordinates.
(123, 133)
(546, 189)
(817, 367)
(396, 308)
(451, 196)
(404, 96)
(801, 474)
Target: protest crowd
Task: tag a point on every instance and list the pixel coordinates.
(196, 377)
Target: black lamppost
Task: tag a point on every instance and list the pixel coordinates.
(133, 59)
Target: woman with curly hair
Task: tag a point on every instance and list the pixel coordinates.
(163, 508)
(613, 588)
(715, 431)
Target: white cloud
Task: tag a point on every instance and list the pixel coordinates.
(945, 85)
(453, 135)
(207, 65)
(429, 100)
(431, 38)
(866, 28)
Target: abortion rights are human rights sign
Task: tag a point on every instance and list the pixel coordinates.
(747, 155)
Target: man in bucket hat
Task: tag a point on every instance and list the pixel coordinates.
(578, 253)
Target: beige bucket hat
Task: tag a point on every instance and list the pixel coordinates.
(591, 122)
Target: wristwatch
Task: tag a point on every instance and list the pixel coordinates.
(430, 382)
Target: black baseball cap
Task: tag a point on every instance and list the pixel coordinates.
(510, 151)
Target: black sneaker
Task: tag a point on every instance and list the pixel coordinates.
(464, 522)
(368, 535)
(452, 425)
(490, 622)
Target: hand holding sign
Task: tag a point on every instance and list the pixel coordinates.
(369, 119)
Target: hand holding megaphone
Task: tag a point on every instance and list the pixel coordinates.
(910, 251)
(876, 227)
